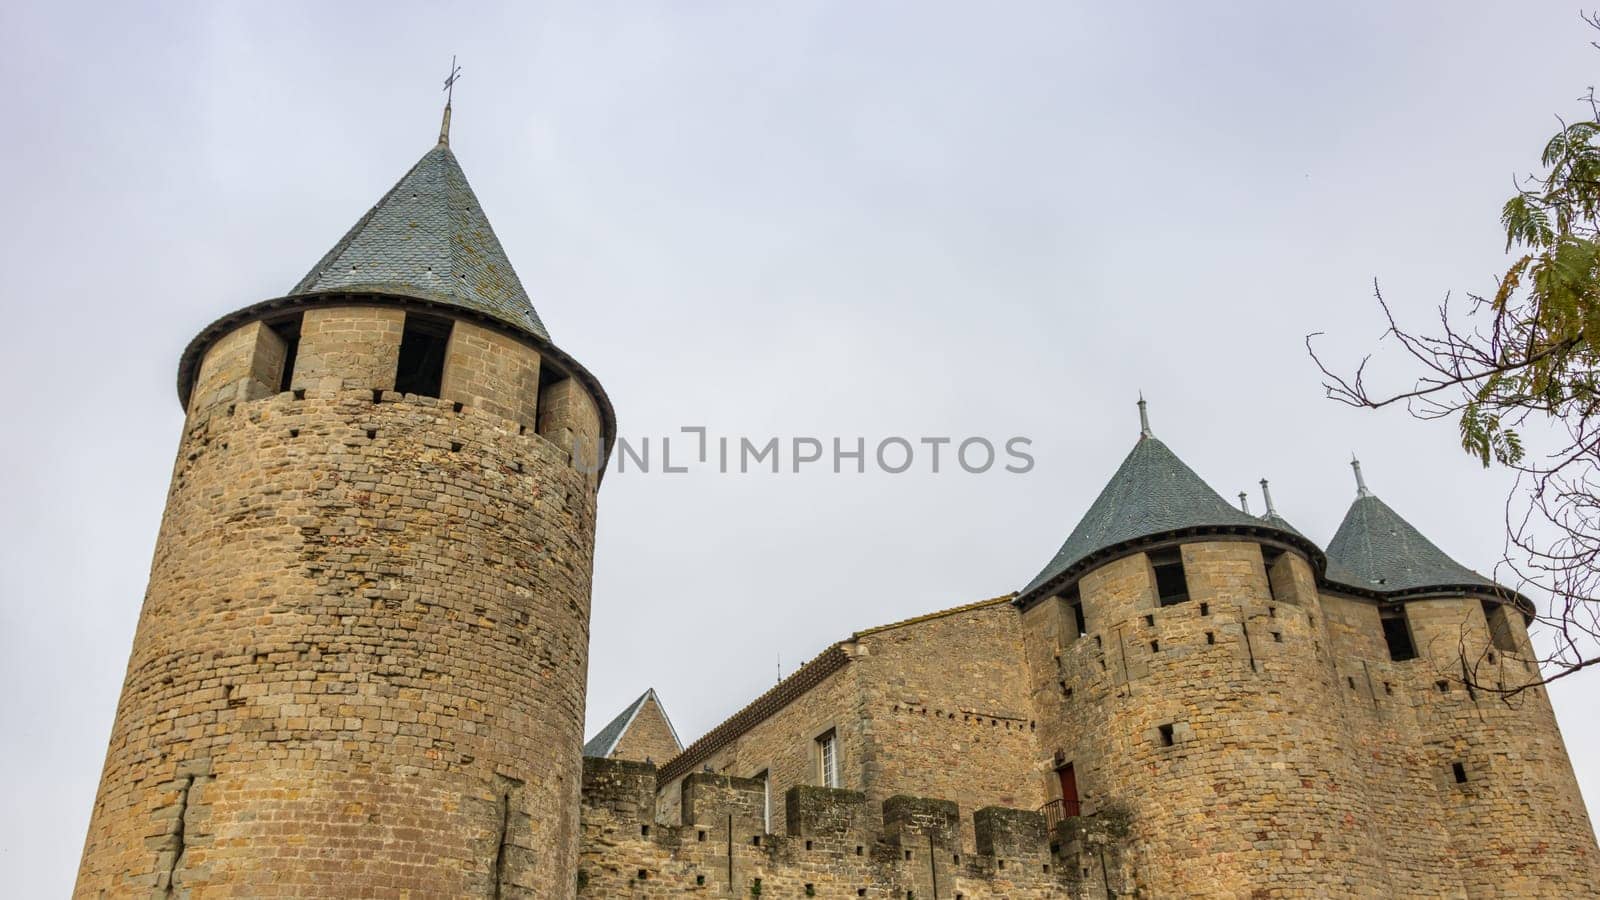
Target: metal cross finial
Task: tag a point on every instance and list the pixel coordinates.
(1266, 496)
(1244, 503)
(450, 81)
(1361, 483)
(1144, 418)
(449, 96)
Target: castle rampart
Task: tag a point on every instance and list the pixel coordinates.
(831, 844)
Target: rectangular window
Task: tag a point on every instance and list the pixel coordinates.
(828, 759)
(288, 331)
(1072, 624)
(1397, 632)
(766, 800)
(1171, 585)
(422, 347)
(1500, 631)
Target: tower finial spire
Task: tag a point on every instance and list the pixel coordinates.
(1244, 503)
(1361, 482)
(449, 95)
(1266, 497)
(1144, 418)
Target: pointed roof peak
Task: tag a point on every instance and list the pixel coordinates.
(1144, 418)
(605, 741)
(1376, 549)
(428, 238)
(1152, 494)
(1361, 482)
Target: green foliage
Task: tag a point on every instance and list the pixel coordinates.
(1539, 353)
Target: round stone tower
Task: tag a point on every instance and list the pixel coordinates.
(1182, 671)
(359, 668)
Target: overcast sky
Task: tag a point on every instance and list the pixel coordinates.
(828, 219)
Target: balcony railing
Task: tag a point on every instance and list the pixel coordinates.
(1053, 813)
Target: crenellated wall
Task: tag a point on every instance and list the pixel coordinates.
(832, 844)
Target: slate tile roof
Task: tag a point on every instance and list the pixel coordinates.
(1377, 550)
(605, 740)
(1153, 492)
(428, 238)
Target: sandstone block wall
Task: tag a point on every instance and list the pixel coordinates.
(649, 738)
(359, 668)
(246, 364)
(1517, 823)
(1214, 721)
(489, 371)
(946, 712)
(348, 347)
(938, 706)
(831, 845)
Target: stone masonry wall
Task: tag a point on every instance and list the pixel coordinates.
(784, 745)
(1214, 722)
(831, 845)
(359, 668)
(947, 712)
(347, 347)
(1517, 823)
(489, 371)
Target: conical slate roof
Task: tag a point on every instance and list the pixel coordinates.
(1377, 550)
(428, 238)
(1152, 493)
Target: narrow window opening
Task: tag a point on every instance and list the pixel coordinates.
(1166, 735)
(288, 332)
(1443, 686)
(644, 830)
(644, 874)
(1269, 557)
(700, 835)
(699, 879)
(422, 348)
(755, 840)
(908, 854)
(1277, 636)
(1388, 688)
(1072, 623)
(1171, 585)
(1500, 633)
(1205, 609)
(1460, 772)
(1150, 621)
(1211, 637)
(808, 845)
(859, 849)
(1272, 612)
(1397, 633)
(1155, 646)
(828, 759)
(1351, 681)
(766, 802)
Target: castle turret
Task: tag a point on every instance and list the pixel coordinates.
(1181, 671)
(1494, 770)
(359, 668)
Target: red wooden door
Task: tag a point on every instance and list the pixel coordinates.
(1069, 790)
